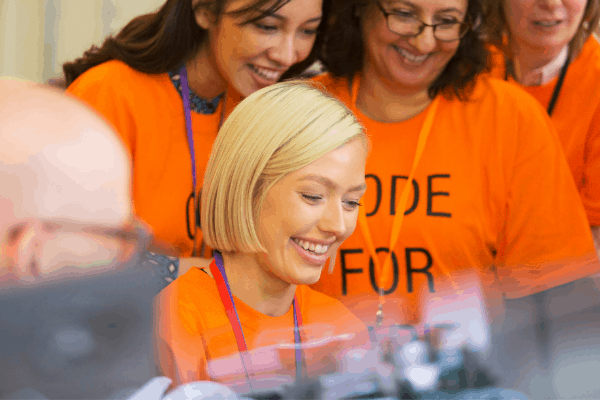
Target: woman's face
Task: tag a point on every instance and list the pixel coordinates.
(310, 212)
(549, 24)
(255, 55)
(409, 63)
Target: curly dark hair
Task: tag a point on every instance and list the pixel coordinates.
(162, 41)
(344, 41)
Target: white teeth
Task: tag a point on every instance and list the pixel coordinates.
(546, 24)
(317, 249)
(265, 73)
(412, 58)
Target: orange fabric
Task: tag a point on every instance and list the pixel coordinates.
(192, 329)
(147, 112)
(576, 118)
(492, 192)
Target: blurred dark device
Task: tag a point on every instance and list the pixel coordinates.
(77, 338)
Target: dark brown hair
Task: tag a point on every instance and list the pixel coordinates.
(344, 49)
(498, 26)
(162, 41)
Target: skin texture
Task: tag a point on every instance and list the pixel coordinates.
(534, 45)
(58, 161)
(274, 43)
(317, 202)
(394, 89)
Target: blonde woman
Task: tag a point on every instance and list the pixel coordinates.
(281, 193)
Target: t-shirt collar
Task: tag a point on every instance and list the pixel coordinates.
(541, 76)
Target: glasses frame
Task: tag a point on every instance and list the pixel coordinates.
(462, 25)
(135, 232)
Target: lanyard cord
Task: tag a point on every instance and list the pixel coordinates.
(187, 108)
(384, 271)
(509, 70)
(217, 269)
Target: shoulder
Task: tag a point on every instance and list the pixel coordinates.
(586, 66)
(336, 86)
(194, 288)
(116, 75)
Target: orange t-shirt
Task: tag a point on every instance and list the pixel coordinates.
(192, 331)
(492, 193)
(147, 112)
(576, 118)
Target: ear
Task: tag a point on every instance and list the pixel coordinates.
(204, 18)
(23, 246)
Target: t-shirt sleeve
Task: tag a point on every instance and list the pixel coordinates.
(546, 239)
(179, 352)
(590, 194)
(108, 90)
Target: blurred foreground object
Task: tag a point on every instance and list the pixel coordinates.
(74, 310)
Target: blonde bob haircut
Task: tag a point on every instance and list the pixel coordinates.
(273, 132)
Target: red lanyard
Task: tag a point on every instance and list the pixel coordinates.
(218, 272)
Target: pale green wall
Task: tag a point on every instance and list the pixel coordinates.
(37, 36)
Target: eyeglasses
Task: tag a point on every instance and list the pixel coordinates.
(74, 244)
(405, 24)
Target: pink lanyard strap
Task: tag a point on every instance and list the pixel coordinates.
(218, 272)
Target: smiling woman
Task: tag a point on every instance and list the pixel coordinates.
(168, 79)
(281, 193)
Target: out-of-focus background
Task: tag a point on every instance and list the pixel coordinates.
(38, 36)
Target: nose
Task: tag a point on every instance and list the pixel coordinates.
(284, 51)
(425, 42)
(332, 220)
(551, 4)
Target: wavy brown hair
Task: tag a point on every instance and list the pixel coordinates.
(497, 26)
(344, 49)
(162, 41)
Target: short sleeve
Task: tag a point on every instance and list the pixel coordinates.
(106, 89)
(179, 351)
(546, 239)
(590, 193)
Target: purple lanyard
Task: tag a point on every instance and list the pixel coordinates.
(234, 319)
(187, 108)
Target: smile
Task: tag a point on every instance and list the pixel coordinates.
(264, 73)
(546, 24)
(410, 57)
(312, 247)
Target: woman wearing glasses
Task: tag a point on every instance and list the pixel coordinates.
(489, 187)
(168, 79)
(549, 50)
(281, 193)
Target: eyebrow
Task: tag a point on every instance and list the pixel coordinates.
(330, 184)
(408, 3)
(282, 18)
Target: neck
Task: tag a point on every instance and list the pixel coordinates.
(386, 102)
(251, 281)
(527, 58)
(203, 75)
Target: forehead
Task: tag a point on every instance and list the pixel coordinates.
(431, 5)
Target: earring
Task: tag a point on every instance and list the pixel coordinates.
(332, 263)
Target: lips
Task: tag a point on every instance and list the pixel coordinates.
(546, 23)
(411, 58)
(265, 73)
